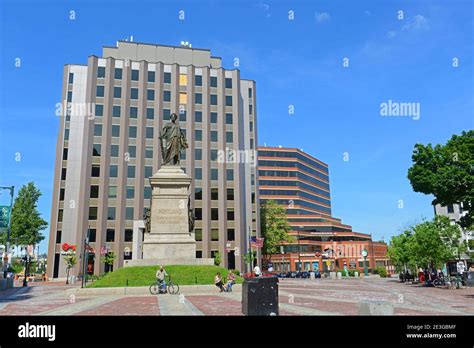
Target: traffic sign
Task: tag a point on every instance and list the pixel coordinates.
(4, 215)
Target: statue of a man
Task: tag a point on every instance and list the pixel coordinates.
(175, 141)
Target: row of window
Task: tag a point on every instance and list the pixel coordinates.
(110, 235)
(215, 234)
(214, 174)
(289, 154)
(214, 194)
(214, 214)
(151, 77)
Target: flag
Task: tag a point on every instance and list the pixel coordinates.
(256, 242)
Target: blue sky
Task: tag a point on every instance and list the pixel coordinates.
(295, 62)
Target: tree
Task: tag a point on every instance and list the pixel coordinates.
(26, 222)
(445, 171)
(217, 258)
(400, 251)
(109, 259)
(274, 227)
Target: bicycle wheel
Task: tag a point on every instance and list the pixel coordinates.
(154, 289)
(173, 289)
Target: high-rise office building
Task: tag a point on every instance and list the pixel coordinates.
(300, 183)
(108, 146)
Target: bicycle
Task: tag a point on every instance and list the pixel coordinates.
(455, 282)
(171, 288)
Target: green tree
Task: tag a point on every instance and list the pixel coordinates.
(400, 251)
(109, 259)
(274, 227)
(217, 258)
(26, 222)
(446, 171)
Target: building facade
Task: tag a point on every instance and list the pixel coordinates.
(108, 146)
(322, 242)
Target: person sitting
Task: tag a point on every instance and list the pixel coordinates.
(218, 282)
(160, 278)
(230, 281)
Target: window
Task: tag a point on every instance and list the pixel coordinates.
(228, 82)
(251, 143)
(132, 151)
(97, 130)
(251, 126)
(60, 215)
(198, 116)
(198, 135)
(213, 155)
(230, 215)
(99, 110)
(230, 234)
(229, 137)
(198, 254)
(130, 192)
(198, 213)
(96, 150)
(149, 152)
(166, 114)
(94, 191)
(135, 75)
(182, 115)
(214, 194)
(65, 150)
(95, 173)
(214, 136)
(147, 192)
(128, 235)
(250, 109)
(213, 99)
(113, 171)
(213, 81)
(58, 237)
(117, 92)
(63, 174)
(92, 235)
(66, 134)
(228, 100)
(198, 173)
(115, 130)
(112, 191)
(198, 80)
(228, 118)
(92, 213)
(213, 117)
(110, 236)
(149, 132)
(230, 194)
(132, 132)
(197, 193)
(230, 174)
(71, 78)
(250, 92)
(150, 94)
(111, 213)
(148, 171)
(198, 154)
(101, 72)
(130, 171)
(198, 234)
(183, 79)
(129, 213)
(116, 111)
(114, 150)
(198, 98)
(167, 77)
(214, 214)
(118, 73)
(69, 96)
(134, 93)
(100, 91)
(61, 194)
(214, 174)
(151, 76)
(150, 113)
(214, 234)
(166, 96)
(133, 112)
(450, 209)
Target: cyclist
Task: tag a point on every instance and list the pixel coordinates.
(160, 278)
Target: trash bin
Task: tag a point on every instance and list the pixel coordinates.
(260, 296)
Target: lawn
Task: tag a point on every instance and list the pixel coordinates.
(145, 275)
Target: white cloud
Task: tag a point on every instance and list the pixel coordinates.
(417, 22)
(322, 17)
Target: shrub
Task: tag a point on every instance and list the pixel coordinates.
(381, 271)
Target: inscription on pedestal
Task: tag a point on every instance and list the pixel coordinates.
(168, 216)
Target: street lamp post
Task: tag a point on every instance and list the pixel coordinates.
(364, 254)
(7, 246)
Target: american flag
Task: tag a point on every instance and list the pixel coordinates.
(256, 242)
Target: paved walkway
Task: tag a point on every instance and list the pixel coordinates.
(296, 297)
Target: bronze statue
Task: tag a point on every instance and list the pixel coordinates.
(191, 217)
(175, 141)
(147, 219)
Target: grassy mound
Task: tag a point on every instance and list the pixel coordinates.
(145, 275)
